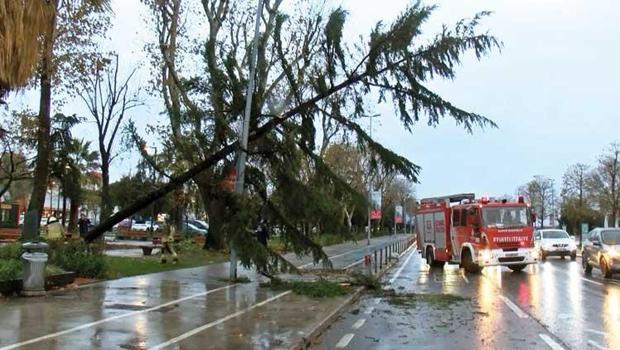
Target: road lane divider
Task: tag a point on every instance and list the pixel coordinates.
(400, 269)
(344, 341)
(216, 322)
(590, 330)
(112, 318)
(552, 343)
(513, 307)
(596, 345)
(369, 310)
(359, 323)
(353, 264)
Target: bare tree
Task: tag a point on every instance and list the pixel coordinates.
(108, 98)
(540, 193)
(575, 182)
(605, 181)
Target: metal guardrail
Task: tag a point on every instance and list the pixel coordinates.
(380, 257)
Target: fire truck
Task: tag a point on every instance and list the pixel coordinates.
(475, 232)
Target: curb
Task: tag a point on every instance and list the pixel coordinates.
(310, 338)
(321, 326)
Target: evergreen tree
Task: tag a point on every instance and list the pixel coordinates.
(305, 72)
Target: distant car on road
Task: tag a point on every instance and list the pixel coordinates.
(602, 250)
(554, 242)
(144, 225)
(191, 228)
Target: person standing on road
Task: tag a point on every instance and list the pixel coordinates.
(167, 242)
(262, 234)
(83, 225)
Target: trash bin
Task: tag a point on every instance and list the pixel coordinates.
(34, 259)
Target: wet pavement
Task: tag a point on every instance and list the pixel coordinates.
(552, 305)
(183, 309)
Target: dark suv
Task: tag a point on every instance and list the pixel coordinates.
(602, 250)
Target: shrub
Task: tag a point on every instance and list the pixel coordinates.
(11, 251)
(10, 269)
(83, 259)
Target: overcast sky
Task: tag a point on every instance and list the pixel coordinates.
(551, 91)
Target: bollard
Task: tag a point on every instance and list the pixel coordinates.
(375, 262)
(380, 259)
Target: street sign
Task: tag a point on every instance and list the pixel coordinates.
(398, 217)
(375, 212)
(584, 229)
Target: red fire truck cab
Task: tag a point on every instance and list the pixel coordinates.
(475, 232)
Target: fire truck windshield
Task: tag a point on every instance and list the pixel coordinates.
(505, 217)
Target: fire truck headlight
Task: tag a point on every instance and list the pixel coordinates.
(485, 255)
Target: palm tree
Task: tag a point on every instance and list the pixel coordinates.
(19, 40)
(81, 160)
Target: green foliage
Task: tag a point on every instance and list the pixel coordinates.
(11, 251)
(316, 289)
(370, 282)
(10, 269)
(83, 259)
(305, 71)
(125, 266)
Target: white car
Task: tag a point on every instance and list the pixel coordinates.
(554, 242)
(143, 225)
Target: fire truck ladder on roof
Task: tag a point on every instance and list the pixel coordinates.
(455, 198)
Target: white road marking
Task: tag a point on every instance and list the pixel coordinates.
(513, 307)
(552, 343)
(401, 269)
(369, 310)
(216, 322)
(593, 282)
(465, 277)
(353, 264)
(594, 344)
(344, 341)
(359, 323)
(596, 332)
(95, 323)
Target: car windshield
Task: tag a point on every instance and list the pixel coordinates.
(505, 216)
(555, 234)
(611, 237)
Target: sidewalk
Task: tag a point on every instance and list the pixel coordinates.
(183, 309)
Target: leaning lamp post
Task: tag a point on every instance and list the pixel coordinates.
(370, 182)
(243, 142)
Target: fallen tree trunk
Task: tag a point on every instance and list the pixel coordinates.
(210, 161)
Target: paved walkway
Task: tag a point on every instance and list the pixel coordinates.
(183, 309)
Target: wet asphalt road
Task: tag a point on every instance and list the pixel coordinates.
(552, 305)
(183, 309)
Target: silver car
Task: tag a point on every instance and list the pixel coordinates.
(602, 250)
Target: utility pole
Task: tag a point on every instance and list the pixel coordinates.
(243, 143)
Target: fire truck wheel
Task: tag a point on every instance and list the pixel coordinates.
(468, 262)
(517, 268)
(430, 259)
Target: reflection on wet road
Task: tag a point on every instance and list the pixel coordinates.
(552, 305)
